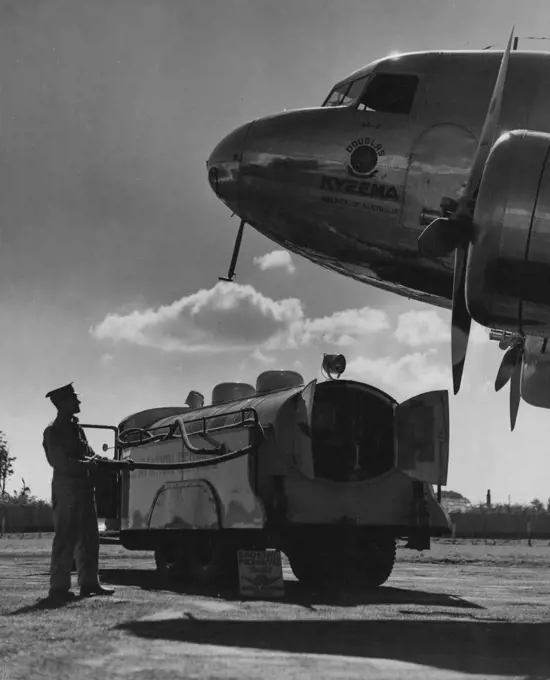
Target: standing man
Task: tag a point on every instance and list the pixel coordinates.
(73, 501)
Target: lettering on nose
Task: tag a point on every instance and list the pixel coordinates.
(355, 187)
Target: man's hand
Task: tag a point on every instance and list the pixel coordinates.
(102, 460)
(95, 460)
(90, 461)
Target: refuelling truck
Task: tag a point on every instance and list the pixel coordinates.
(331, 473)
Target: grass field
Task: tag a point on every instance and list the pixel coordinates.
(464, 610)
(499, 552)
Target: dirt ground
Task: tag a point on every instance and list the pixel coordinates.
(463, 610)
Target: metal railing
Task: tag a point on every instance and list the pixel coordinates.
(216, 455)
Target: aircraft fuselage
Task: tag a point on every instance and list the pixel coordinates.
(351, 186)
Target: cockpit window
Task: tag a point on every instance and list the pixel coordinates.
(389, 93)
(347, 93)
(356, 89)
(336, 96)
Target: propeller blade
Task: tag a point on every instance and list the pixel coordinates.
(504, 373)
(508, 364)
(466, 203)
(515, 393)
(445, 234)
(438, 239)
(461, 319)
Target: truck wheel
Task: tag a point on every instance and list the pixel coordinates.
(305, 568)
(378, 557)
(211, 562)
(369, 564)
(312, 567)
(170, 563)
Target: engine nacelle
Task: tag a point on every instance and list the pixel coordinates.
(508, 270)
(535, 374)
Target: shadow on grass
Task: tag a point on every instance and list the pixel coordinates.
(295, 592)
(509, 649)
(41, 605)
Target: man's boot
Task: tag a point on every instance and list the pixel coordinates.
(91, 591)
(60, 596)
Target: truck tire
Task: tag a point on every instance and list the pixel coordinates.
(314, 565)
(369, 565)
(305, 567)
(212, 562)
(378, 557)
(170, 562)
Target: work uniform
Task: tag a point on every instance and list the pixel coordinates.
(73, 502)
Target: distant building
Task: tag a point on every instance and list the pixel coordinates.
(454, 502)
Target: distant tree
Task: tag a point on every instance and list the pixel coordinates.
(16, 499)
(25, 492)
(6, 463)
(537, 505)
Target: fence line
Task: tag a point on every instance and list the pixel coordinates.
(16, 518)
(500, 525)
(19, 518)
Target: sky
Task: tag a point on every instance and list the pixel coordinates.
(111, 240)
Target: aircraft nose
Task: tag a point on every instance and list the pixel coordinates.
(224, 165)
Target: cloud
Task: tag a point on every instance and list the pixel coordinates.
(106, 359)
(407, 375)
(419, 328)
(229, 316)
(235, 317)
(342, 328)
(263, 358)
(479, 335)
(276, 259)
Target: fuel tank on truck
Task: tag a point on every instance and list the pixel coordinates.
(333, 452)
(331, 473)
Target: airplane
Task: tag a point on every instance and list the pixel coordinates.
(426, 174)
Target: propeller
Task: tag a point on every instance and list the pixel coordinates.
(454, 232)
(510, 370)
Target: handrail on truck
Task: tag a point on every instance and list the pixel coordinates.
(248, 416)
(251, 420)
